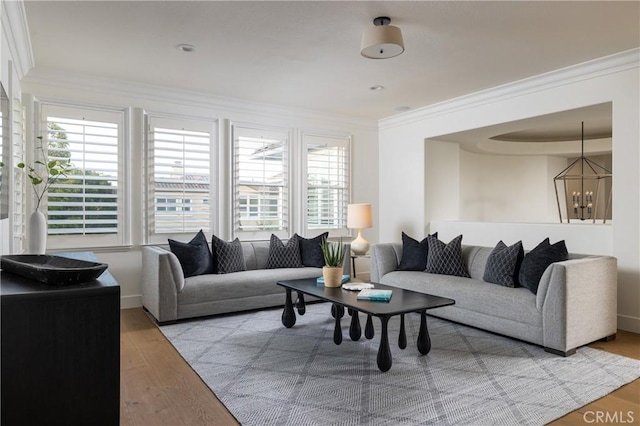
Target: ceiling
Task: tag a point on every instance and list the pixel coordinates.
(306, 54)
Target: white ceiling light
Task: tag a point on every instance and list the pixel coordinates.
(382, 41)
(186, 48)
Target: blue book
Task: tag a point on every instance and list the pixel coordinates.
(374, 295)
(345, 279)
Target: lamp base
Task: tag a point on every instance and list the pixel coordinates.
(359, 246)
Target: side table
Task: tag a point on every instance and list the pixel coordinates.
(353, 261)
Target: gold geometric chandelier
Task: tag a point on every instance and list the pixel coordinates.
(582, 201)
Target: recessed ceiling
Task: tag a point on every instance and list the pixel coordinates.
(550, 134)
(306, 54)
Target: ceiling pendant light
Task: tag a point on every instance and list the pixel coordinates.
(382, 41)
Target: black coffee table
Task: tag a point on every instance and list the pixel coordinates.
(402, 302)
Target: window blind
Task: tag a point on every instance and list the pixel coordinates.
(327, 182)
(261, 193)
(85, 202)
(179, 191)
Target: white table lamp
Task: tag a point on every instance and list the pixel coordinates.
(359, 217)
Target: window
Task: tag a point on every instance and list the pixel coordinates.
(327, 182)
(260, 182)
(86, 207)
(179, 166)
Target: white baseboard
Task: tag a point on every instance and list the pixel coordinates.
(127, 302)
(628, 323)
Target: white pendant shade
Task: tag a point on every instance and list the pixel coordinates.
(382, 42)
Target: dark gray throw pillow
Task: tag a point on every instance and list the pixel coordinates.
(228, 256)
(283, 256)
(503, 264)
(537, 260)
(311, 250)
(414, 253)
(446, 259)
(194, 256)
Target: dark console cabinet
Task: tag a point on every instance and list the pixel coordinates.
(60, 352)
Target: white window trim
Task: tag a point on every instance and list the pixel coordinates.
(123, 236)
(214, 166)
(303, 207)
(262, 234)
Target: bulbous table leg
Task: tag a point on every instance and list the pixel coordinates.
(300, 304)
(354, 329)
(368, 329)
(288, 315)
(337, 331)
(384, 352)
(424, 342)
(337, 309)
(402, 337)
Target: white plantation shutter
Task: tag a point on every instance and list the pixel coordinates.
(327, 182)
(260, 182)
(19, 195)
(179, 187)
(85, 207)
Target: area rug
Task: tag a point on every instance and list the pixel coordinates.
(266, 374)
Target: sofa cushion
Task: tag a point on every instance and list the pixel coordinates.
(516, 304)
(414, 253)
(446, 259)
(311, 250)
(194, 256)
(228, 257)
(537, 260)
(503, 264)
(283, 255)
(236, 285)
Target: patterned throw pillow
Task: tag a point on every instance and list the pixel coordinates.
(228, 256)
(310, 250)
(194, 256)
(283, 256)
(537, 260)
(446, 259)
(414, 253)
(503, 264)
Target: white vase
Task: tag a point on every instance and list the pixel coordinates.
(37, 233)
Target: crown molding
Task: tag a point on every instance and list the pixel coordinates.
(16, 31)
(611, 64)
(147, 92)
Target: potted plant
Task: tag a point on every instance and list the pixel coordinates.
(333, 253)
(42, 174)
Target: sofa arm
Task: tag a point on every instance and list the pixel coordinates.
(385, 258)
(162, 280)
(578, 300)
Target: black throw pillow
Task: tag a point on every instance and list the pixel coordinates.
(229, 257)
(311, 250)
(503, 264)
(194, 256)
(446, 259)
(414, 253)
(283, 256)
(537, 260)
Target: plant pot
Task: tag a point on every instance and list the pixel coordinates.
(332, 276)
(37, 231)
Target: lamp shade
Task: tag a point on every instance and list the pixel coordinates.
(382, 42)
(359, 216)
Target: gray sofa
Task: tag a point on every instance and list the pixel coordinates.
(576, 303)
(169, 296)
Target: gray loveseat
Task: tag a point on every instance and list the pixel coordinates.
(169, 296)
(576, 303)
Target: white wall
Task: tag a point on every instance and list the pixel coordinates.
(615, 79)
(502, 188)
(125, 263)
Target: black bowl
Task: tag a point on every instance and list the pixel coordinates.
(53, 270)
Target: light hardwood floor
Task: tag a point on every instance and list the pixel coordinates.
(157, 387)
